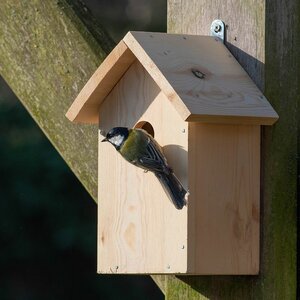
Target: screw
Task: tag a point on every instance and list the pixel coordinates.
(217, 28)
(168, 266)
(183, 130)
(117, 267)
(182, 247)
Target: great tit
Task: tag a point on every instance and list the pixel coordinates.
(139, 148)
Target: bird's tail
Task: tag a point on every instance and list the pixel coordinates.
(173, 188)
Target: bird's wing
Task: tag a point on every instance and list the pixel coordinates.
(153, 159)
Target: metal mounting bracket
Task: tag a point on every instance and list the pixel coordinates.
(217, 29)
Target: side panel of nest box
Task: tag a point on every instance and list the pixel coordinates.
(223, 211)
(139, 229)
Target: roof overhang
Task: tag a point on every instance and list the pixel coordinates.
(225, 93)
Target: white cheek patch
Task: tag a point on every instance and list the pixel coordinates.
(117, 140)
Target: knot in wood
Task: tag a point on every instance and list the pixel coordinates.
(198, 73)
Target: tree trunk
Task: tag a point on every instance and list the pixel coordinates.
(46, 56)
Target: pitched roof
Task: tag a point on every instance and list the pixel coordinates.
(198, 75)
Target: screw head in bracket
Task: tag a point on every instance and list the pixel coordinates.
(217, 29)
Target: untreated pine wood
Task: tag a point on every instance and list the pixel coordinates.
(139, 229)
(85, 108)
(218, 232)
(260, 37)
(223, 210)
(225, 94)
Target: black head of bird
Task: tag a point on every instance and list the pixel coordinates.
(140, 148)
(117, 136)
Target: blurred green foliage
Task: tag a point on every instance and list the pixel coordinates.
(47, 219)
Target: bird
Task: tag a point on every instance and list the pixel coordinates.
(139, 148)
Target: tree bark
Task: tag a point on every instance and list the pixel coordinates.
(46, 56)
(264, 37)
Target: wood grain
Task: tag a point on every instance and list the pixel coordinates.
(85, 108)
(223, 211)
(140, 231)
(226, 94)
(245, 32)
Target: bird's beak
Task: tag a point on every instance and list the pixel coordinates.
(104, 140)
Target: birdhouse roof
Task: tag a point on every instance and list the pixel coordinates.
(197, 74)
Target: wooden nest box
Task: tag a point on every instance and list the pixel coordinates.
(202, 107)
